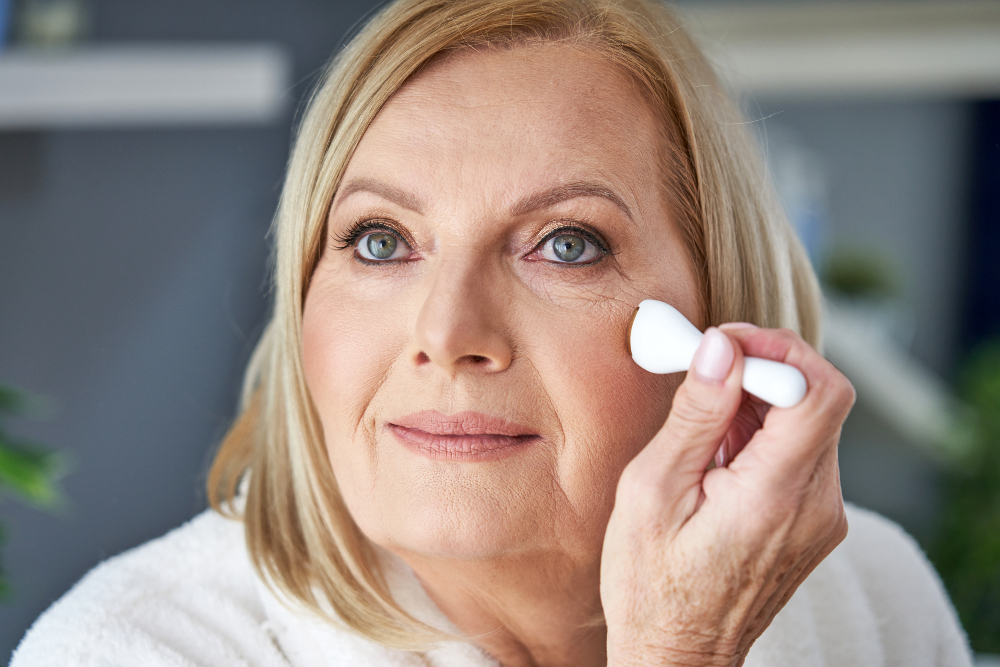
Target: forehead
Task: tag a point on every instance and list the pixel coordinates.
(521, 115)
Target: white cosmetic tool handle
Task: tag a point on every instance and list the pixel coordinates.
(779, 384)
(662, 340)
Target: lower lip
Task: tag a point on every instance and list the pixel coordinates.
(476, 447)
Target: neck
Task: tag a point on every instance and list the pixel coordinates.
(531, 611)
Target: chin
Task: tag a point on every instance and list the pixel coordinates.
(463, 522)
(458, 533)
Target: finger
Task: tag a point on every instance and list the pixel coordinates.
(797, 436)
(703, 409)
(789, 511)
(822, 377)
(749, 419)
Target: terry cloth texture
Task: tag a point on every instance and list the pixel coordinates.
(192, 598)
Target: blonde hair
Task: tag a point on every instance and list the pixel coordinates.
(751, 267)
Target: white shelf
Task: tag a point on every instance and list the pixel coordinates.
(143, 85)
(875, 49)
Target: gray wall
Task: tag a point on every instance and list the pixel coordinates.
(130, 287)
(132, 269)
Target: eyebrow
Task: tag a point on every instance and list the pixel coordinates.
(388, 192)
(533, 202)
(562, 193)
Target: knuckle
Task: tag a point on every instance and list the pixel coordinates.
(837, 394)
(834, 522)
(850, 394)
(842, 394)
(693, 412)
(788, 334)
(840, 531)
(832, 514)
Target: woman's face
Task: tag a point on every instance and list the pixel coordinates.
(464, 332)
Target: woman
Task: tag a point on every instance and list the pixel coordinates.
(446, 454)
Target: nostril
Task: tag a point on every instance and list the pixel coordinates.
(478, 359)
(422, 359)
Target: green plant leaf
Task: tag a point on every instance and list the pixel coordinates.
(27, 470)
(857, 272)
(16, 402)
(11, 400)
(967, 549)
(31, 473)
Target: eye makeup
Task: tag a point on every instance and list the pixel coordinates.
(349, 238)
(566, 231)
(567, 244)
(574, 226)
(557, 234)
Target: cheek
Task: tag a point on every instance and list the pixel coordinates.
(346, 359)
(608, 407)
(331, 350)
(347, 352)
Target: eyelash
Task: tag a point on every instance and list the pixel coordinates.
(349, 238)
(598, 242)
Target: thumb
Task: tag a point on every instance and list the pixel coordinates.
(703, 410)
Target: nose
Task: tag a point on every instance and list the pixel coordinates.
(460, 326)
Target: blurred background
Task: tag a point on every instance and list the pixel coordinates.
(142, 147)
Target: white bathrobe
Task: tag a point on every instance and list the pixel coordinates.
(192, 598)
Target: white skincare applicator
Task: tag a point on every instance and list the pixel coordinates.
(661, 340)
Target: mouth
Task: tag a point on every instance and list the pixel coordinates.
(465, 436)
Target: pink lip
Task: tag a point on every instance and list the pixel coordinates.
(465, 436)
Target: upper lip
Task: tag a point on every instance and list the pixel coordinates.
(461, 423)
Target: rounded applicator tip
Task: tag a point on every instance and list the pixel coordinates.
(661, 340)
(628, 331)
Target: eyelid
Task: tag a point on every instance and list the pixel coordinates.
(594, 252)
(349, 238)
(574, 227)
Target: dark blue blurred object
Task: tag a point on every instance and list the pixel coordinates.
(5, 6)
(982, 312)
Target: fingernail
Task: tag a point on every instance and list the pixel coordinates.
(738, 325)
(714, 357)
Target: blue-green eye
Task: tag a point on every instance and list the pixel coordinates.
(569, 248)
(382, 246)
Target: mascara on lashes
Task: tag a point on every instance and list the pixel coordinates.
(348, 239)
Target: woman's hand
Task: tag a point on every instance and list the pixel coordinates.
(697, 562)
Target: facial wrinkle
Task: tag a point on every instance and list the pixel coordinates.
(367, 417)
